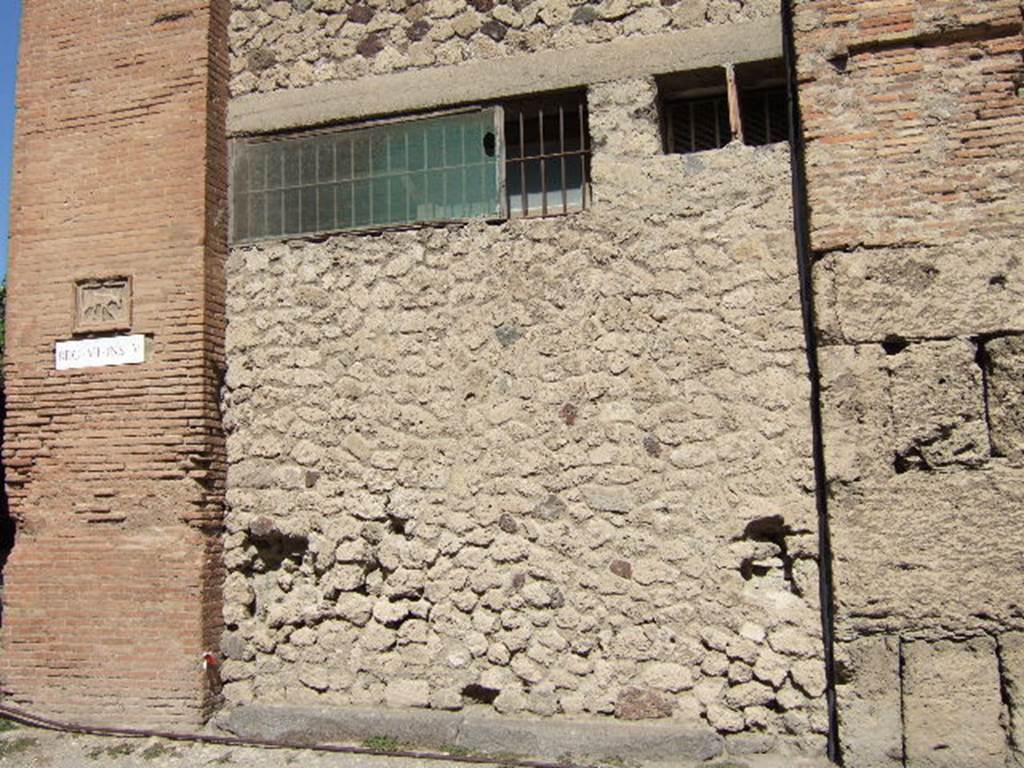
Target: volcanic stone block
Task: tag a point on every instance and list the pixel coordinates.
(871, 294)
(855, 411)
(928, 548)
(1005, 362)
(868, 699)
(1011, 651)
(953, 704)
(938, 406)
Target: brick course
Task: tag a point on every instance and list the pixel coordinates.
(115, 475)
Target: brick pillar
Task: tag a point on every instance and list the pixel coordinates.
(115, 474)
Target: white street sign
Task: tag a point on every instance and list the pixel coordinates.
(94, 353)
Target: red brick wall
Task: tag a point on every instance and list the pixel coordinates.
(115, 475)
(911, 112)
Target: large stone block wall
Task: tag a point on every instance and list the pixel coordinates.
(115, 475)
(554, 467)
(913, 118)
(279, 44)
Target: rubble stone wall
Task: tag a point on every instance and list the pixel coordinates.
(279, 44)
(914, 117)
(553, 466)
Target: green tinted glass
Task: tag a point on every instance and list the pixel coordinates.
(432, 169)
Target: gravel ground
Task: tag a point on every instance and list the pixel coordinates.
(34, 747)
(31, 747)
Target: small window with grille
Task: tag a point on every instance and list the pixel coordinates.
(707, 109)
(523, 158)
(695, 111)
(547, 155)
(764, 103)
(765, 114)
(697, 124)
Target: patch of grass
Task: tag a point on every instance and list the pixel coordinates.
(16, 746)
(382, 743)
(154, 751)
(114, 750)
(7, 725)
(457, 751)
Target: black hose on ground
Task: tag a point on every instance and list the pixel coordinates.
(37, 721)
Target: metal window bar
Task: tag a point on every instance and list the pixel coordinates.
(543, 164)
(561, 160)
(765, 120)
(697, 124)
(585, 156)
(549, 150)
(522, 161)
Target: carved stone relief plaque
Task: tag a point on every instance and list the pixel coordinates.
(103, 304)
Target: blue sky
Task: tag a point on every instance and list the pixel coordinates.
(10, 12)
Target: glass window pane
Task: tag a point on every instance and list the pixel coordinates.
(240, 216)
(292, 159)
(257, 168)
(361, 149)
(379, 152)
(435, 146)
(343, 212)
(257, 214)
(308, 163)
(362, 192)
(325, 160)
(417, 150)
(398, 198)
(453, 138)
(273, 169)
(343, 158)
(274, 202)
(292, 211)
(309, 210)
(380, 201)
(430, 169)
(398, 149)
(325, 201)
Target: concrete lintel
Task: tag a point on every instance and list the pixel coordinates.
(479, 733)
(412, 91)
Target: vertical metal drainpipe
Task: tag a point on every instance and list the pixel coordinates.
(801, 226)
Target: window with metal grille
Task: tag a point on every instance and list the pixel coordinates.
(763, 101)
(697, 124)
(547, 155)
(765, 115)
(527, 158)
(707, 109)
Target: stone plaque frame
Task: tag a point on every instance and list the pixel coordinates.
(103, 304)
